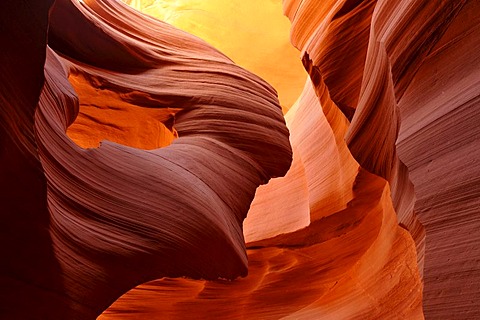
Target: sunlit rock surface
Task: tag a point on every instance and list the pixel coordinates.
(415, 105)
(132, 151)
(115, 213)
(254, 34)
(307, 274)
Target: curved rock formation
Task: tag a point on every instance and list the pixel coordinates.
(137, 162)
(321, 178)
(117, 217)
(439, 143)
(254, 34)
(419, 86)
(306, 274)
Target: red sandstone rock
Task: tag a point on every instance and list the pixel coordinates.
(168, 141)
(419, 87)
(28, 263)
(439, 143)
(306, 274)
(117, 218)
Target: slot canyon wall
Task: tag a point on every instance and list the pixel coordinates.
(149, 174)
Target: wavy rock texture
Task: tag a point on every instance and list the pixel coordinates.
(304, 227)
(141, 155)
(438, 142)
(328, 41)
(417, 92)
(117, 217)
(305, 274)
(321, 178)
(326, 269)
(254, 34)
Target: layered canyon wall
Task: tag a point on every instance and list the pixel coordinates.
(132, 152)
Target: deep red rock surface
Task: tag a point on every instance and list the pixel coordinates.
(114, 215)
(131, 153)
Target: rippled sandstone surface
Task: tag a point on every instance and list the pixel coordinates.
(147, 176)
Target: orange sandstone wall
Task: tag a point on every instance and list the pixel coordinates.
(131, 153)
(406, 73)
(323, 241)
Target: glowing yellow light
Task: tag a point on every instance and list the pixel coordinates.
(252, 33)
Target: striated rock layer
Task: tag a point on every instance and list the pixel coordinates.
(410, 88)
(439, 143)
(307, 274)
(254, 34)
(131, 153)
(410, 98)
(116, 216)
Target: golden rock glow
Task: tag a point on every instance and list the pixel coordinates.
(254, 34)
